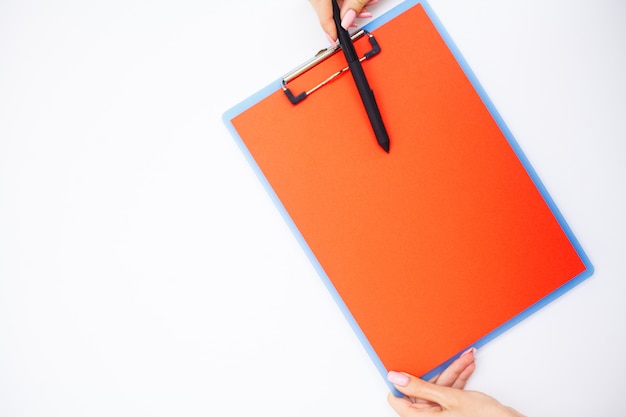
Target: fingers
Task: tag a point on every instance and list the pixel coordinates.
(324, 10)
(441, 400)
(416, 388)
(350, 10)
(459, 371)
(461, 380)
(454, 376)
(406, 408)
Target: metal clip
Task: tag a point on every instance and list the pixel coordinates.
(320, 57)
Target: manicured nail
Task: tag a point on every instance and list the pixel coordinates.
(365, 15)
(333, 42)
(398, 378)
(348, 19)
(468, 351)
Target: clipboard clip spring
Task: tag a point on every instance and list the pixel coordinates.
(320, 57)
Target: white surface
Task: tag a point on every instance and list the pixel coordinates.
(145, 272)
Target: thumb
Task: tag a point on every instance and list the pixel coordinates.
(414, 387)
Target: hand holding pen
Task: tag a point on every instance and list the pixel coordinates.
(350, 11)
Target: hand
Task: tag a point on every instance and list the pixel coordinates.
(350, 10)
(444, 396)
(454, 376)
(459, 371)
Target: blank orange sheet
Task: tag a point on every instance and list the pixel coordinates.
(435, 245)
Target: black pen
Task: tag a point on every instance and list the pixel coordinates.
(366, 93)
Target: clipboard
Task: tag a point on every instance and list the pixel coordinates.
(440, 245)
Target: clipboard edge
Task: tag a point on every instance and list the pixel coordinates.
(230, 114)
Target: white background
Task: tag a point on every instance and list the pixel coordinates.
(145, 272)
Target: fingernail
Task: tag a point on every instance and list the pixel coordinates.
(365, 15)
(333, 42)
(398, 378)
(348, 19)
(468, 351)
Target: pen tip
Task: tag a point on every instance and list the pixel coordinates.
(385, 146)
